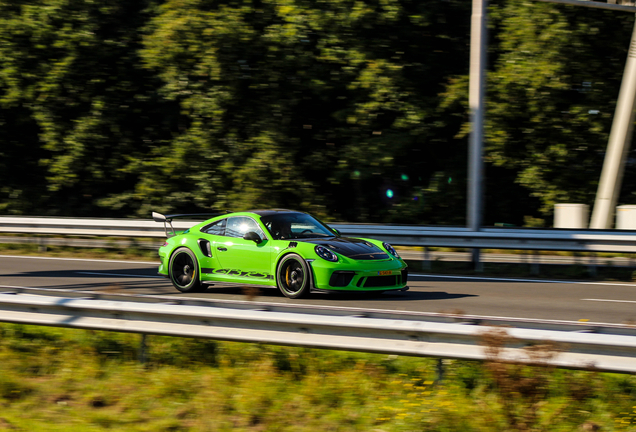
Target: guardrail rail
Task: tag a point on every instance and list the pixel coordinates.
(599, 347)
(619, 241)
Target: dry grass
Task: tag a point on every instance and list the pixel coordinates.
(66, 380)
(522, 386)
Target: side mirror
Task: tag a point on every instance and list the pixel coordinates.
(336, 231)
(251, 235)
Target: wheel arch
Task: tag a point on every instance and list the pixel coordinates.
(175, 271)
(312, 282)
(188, 245)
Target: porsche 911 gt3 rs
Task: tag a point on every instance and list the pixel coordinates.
(287, 249)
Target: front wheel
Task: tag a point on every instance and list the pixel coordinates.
(184, 271)
(292, 276)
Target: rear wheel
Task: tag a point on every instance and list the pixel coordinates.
(292, 276)
(184, 271)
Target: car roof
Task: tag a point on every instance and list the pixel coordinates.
(271, 212)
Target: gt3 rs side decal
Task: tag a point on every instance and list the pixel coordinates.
(235, 272)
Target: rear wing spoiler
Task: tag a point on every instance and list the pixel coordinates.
(167, 219)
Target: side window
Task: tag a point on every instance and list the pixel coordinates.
(216, 228)
(239, 225)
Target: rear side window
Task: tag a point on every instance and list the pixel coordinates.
(216, 228)
(239, 225)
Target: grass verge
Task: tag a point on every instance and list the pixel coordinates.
(54, 379)
(132, 253)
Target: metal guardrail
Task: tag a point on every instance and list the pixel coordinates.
(498, 238)
(604, 348)
(87, 227)
(400, 235)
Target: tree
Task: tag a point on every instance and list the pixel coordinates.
(86, 107)
(551, 94)
(316, 106)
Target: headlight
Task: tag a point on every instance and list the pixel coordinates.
(390, 249)
(325, 253)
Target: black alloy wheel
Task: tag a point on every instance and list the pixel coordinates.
(184, 271)
(293, 277)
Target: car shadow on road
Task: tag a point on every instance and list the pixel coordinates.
(144, 280)
(395, 296)
(271, 293)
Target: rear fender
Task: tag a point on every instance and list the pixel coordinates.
(190, 243)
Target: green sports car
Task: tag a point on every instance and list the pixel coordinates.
(279, 248)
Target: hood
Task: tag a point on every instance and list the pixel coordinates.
(352, 248)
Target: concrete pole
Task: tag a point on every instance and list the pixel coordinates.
(478, 36)
(609, 186)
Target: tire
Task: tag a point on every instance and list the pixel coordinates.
(293, 277)
(184, 271)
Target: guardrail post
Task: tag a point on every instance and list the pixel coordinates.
(591, 268)
(477, 262)
(142, 348)
(41, 245)
(440, 370)
(426, 264)
(534, 265)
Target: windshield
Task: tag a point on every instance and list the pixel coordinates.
(286, 226)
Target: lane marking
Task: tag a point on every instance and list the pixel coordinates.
(81, 259)
(484, 278)
(119, 274)
(613, 301)
(362, 310)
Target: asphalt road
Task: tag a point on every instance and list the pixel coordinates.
(602, 302)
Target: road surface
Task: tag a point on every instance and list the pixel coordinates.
(601, 302)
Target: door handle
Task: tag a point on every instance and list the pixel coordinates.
(222, 249)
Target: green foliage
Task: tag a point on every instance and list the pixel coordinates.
(296, 104)
(84, 103)
(544, 124)
(553, 89)
(75, 379)
(353, 110)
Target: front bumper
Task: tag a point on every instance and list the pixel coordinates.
(163, 266)
(381, 275)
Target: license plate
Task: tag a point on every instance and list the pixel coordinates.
(385, 273)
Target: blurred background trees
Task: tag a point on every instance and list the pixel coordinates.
(352, 110)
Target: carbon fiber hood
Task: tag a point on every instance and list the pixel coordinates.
(352, 248)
